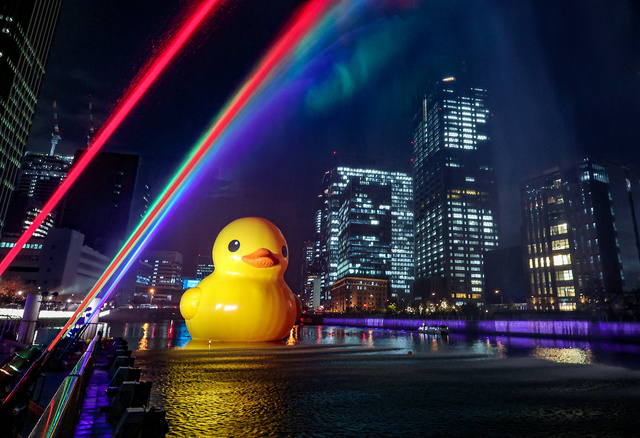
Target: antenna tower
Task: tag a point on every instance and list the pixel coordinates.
(92, 126)
(55, 136)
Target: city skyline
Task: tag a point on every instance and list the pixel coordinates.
(537, 103)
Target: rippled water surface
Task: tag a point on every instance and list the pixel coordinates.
(332, 381)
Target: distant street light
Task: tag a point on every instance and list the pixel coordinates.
(151, 292)
(501, 296)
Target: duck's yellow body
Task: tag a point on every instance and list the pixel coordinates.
(246, 298)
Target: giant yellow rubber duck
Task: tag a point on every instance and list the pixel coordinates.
(246, 298)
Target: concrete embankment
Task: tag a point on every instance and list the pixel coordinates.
(616, 331)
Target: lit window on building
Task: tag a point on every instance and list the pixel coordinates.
(561, 259)
(560, 244)
(564, 275)
(559, 229)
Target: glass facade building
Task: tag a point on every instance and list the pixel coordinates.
(571, 241)
(26, 33)
(366, 223)
(456, 218)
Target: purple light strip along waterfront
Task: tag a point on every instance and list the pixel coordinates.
(619, 331)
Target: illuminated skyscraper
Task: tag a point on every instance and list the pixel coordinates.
(26, 34)
(40, 176)
(367, 228)
(572, 218)
(307, 274)
(456, 218)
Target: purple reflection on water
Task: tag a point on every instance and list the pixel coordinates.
(620, 331)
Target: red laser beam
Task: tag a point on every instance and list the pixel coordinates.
(137, 91)
(283, 47)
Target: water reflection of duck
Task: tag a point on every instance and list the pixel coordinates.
(246, 298)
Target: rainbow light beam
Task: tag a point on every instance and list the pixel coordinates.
(137, 90)
(272, 63)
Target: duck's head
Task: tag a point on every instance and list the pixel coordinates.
(252, 247)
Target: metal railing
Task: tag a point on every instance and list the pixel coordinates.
(61, 415)
(9, 325)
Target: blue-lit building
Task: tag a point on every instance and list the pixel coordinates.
(365, 219)
(456, 217)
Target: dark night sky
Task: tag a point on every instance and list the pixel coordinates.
(563, 79)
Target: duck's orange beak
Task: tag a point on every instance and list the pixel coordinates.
(261, 258)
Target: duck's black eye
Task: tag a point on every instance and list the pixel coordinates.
(234, 245)
(284, 252)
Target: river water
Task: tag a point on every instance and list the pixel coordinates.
(352, 382)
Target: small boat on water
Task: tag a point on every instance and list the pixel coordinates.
(433, 329)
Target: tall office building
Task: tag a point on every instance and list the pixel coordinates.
(571, 224)
(204, 266)
(101, 202)
(40, 176)
(307, 273)
(165, 279)
(367, 228)
(456, 219)
(26, 34)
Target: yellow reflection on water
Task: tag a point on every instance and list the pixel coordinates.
(226, 392)
(564, 355)
(501, 350)
(144, 341)
(293, 336)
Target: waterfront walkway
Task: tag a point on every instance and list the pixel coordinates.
(93, 417)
